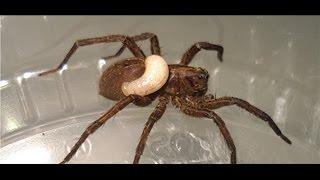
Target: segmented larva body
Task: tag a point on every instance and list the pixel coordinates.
(155, 76)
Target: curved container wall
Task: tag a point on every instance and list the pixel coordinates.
(271, 61)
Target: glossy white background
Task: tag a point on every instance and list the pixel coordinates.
(271, 61)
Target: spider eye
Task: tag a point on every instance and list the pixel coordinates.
(202, 76)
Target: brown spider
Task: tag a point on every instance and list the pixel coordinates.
(186, 87)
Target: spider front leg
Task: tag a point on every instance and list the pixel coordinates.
(127, 42)
(155, 47)
(98, 123)
(154, 117)
(194, 49)
(228, 101)
(202, 112)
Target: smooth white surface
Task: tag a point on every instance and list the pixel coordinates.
(155, 76)
(271, 61)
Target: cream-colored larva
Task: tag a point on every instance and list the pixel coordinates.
(154, 77)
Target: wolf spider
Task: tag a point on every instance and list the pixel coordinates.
(186, 87)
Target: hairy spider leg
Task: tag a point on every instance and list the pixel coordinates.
(127, 42)
(154, 43)
(202, 112)
(228, 101)
(98, 123)
(153, 118)
(195, 48)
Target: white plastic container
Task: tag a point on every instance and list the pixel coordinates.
(271, 61)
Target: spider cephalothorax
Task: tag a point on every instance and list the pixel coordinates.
(186, 80)
(140, 80)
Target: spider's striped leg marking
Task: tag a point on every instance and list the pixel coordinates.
(98, 123)
(194, 49)
(154, 117)
(127, 42)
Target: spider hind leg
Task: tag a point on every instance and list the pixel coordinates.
(125, 40)
(154, 44)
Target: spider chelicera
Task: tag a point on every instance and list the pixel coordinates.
(185, 86)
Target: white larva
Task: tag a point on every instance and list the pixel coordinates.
(154, 77)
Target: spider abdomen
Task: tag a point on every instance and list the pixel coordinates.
(114, 76)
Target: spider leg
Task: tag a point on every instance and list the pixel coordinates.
(155, 48)
(98, 123)
(127, 42)
(228, 101)
(194, 49)
(201, 112)
(118, 53)
(154, 117)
